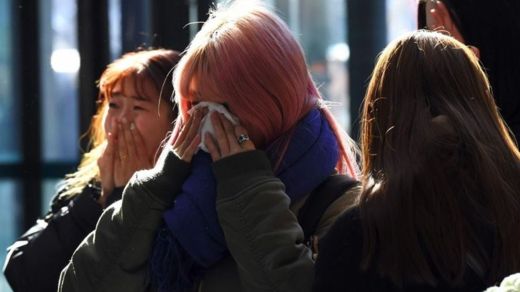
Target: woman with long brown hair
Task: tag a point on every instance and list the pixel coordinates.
(440, 206)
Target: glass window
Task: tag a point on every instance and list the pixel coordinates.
(10, 141)
(9, 126)
(60, 64)
(401, 17)
(114, 19)
(49, 188)
(9, 217)
(326, 49)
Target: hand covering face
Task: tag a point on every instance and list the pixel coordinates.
(206, 125)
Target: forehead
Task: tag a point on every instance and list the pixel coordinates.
(132, 86)
(197, 93)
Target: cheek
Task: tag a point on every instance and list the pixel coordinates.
(184, 106)
(108, 122)
(153, 130)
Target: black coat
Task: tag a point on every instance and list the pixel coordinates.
(35, 260)
(338, 265)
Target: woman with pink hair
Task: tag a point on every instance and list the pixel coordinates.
(246, 99)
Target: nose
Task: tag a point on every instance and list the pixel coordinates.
(126, 112)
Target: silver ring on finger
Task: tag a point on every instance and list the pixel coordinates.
(242, 139)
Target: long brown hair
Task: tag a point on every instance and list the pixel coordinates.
(440, 169)
(140, 68)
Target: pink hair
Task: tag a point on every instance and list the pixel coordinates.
(247, 56)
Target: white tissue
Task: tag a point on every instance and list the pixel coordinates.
(206, 126)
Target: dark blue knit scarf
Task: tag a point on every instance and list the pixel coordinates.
(192, 239)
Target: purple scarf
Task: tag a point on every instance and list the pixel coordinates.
(193, 239)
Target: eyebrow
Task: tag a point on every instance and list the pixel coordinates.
(141, 98)
(119, 94)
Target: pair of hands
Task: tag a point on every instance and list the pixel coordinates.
(224, 144)
(125, 153)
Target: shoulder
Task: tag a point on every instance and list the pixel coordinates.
(60, 203)
(343, 203)
(346, 229)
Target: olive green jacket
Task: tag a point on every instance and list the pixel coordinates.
(260, 227)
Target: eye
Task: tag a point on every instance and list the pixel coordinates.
(139, 108)
(113, 105)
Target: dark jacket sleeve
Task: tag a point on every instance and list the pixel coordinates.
(114, 257)
(263, 235)
(340, 251)
(35, 260)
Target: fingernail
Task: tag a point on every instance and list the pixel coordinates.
(132, 126)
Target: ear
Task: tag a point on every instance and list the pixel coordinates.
(439, 18)
(475, 50)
